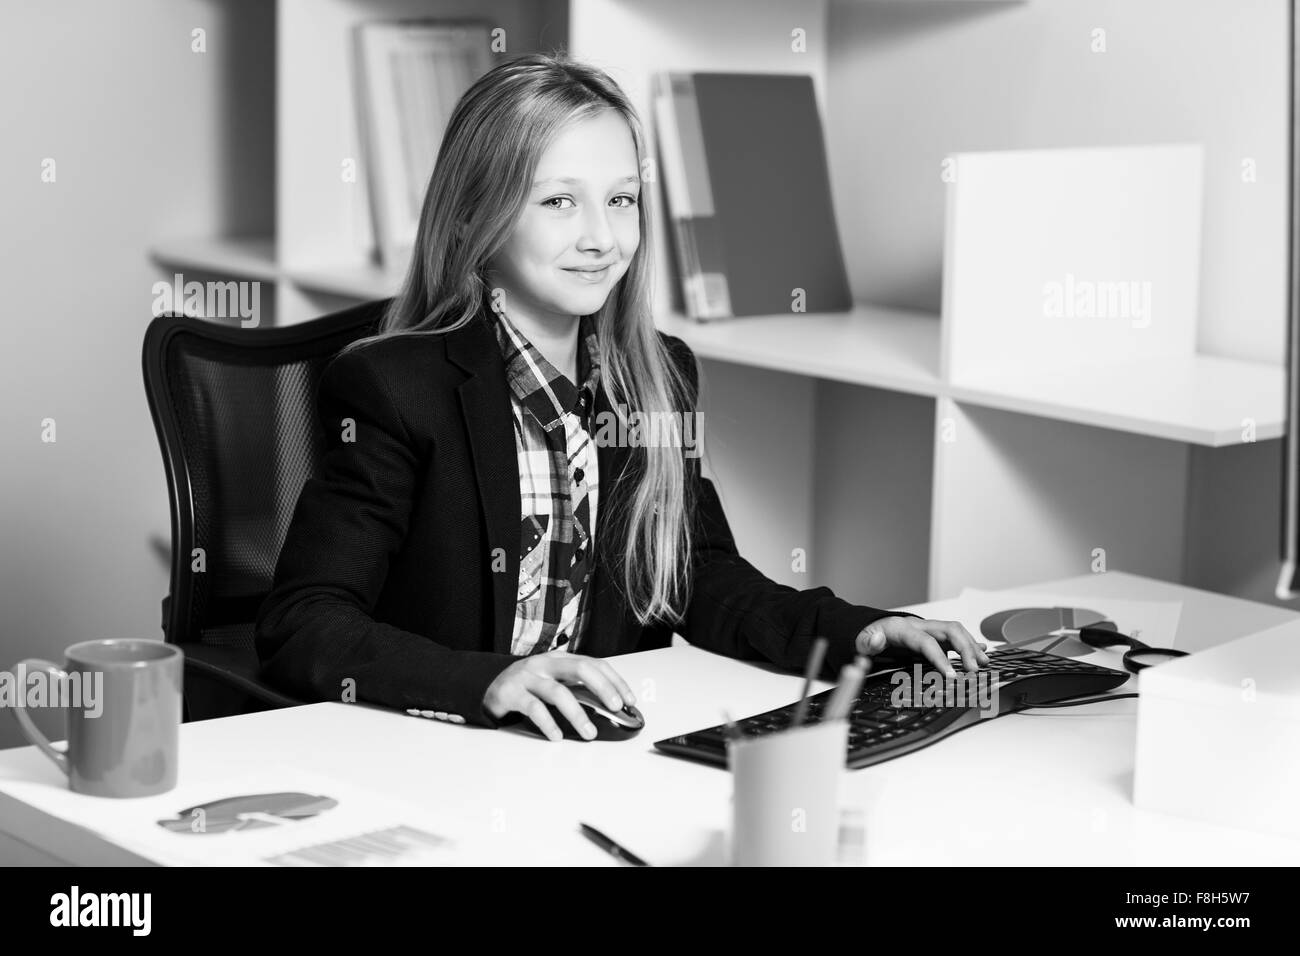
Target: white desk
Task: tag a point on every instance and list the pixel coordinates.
(1053, 787)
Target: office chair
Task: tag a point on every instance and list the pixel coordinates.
(235, 412)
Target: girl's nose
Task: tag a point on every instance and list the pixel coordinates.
(596, 232)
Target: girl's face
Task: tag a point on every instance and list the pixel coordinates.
(579, 227)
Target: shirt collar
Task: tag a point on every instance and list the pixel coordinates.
(537, 384)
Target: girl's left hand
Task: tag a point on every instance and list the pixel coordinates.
(931, 639)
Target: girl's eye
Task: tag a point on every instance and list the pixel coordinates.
(624, 201)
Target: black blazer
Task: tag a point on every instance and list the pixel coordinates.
(385, 576)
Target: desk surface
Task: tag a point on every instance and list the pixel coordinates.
(1052, 787)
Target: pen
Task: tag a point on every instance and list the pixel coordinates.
(610, 847)
(810, 674)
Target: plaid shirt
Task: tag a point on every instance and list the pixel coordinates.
(558, 488)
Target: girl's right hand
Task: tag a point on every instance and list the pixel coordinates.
(531, 683)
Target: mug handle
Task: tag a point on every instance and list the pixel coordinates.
(25, 722)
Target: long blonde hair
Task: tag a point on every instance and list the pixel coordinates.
(489, 153)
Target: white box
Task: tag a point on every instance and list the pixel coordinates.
(1086, 257)
(1218, 734)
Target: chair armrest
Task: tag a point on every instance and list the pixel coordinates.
(236, 667)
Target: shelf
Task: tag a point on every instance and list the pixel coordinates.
(1198, 399)
(358, 281)
(254, 258)
(246, 257)
(1201, 400)
(882, 348)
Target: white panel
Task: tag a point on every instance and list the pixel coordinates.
(1071, 257)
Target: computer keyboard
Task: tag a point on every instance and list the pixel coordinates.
(879, 729)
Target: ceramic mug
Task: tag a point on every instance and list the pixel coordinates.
(122, 699)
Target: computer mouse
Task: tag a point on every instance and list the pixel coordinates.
(610, 724)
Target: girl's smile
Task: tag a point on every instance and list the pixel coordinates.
(591, 273)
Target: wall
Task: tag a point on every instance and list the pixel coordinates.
(150, 140)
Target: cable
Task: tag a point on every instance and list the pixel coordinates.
(1075, 703)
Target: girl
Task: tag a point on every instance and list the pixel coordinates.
(478, 540)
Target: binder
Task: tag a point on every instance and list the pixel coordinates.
(753, 228)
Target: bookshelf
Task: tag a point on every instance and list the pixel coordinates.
(831, 434)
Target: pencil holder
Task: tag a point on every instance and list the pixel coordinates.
(786, 796)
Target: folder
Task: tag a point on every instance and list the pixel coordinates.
(753, 228)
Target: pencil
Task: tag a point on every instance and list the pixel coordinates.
(814, 668)
(846, 692)
(733, 731)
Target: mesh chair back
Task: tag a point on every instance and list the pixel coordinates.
(235, 411)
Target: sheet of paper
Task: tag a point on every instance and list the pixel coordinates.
(272, 818)
(1153, 622)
